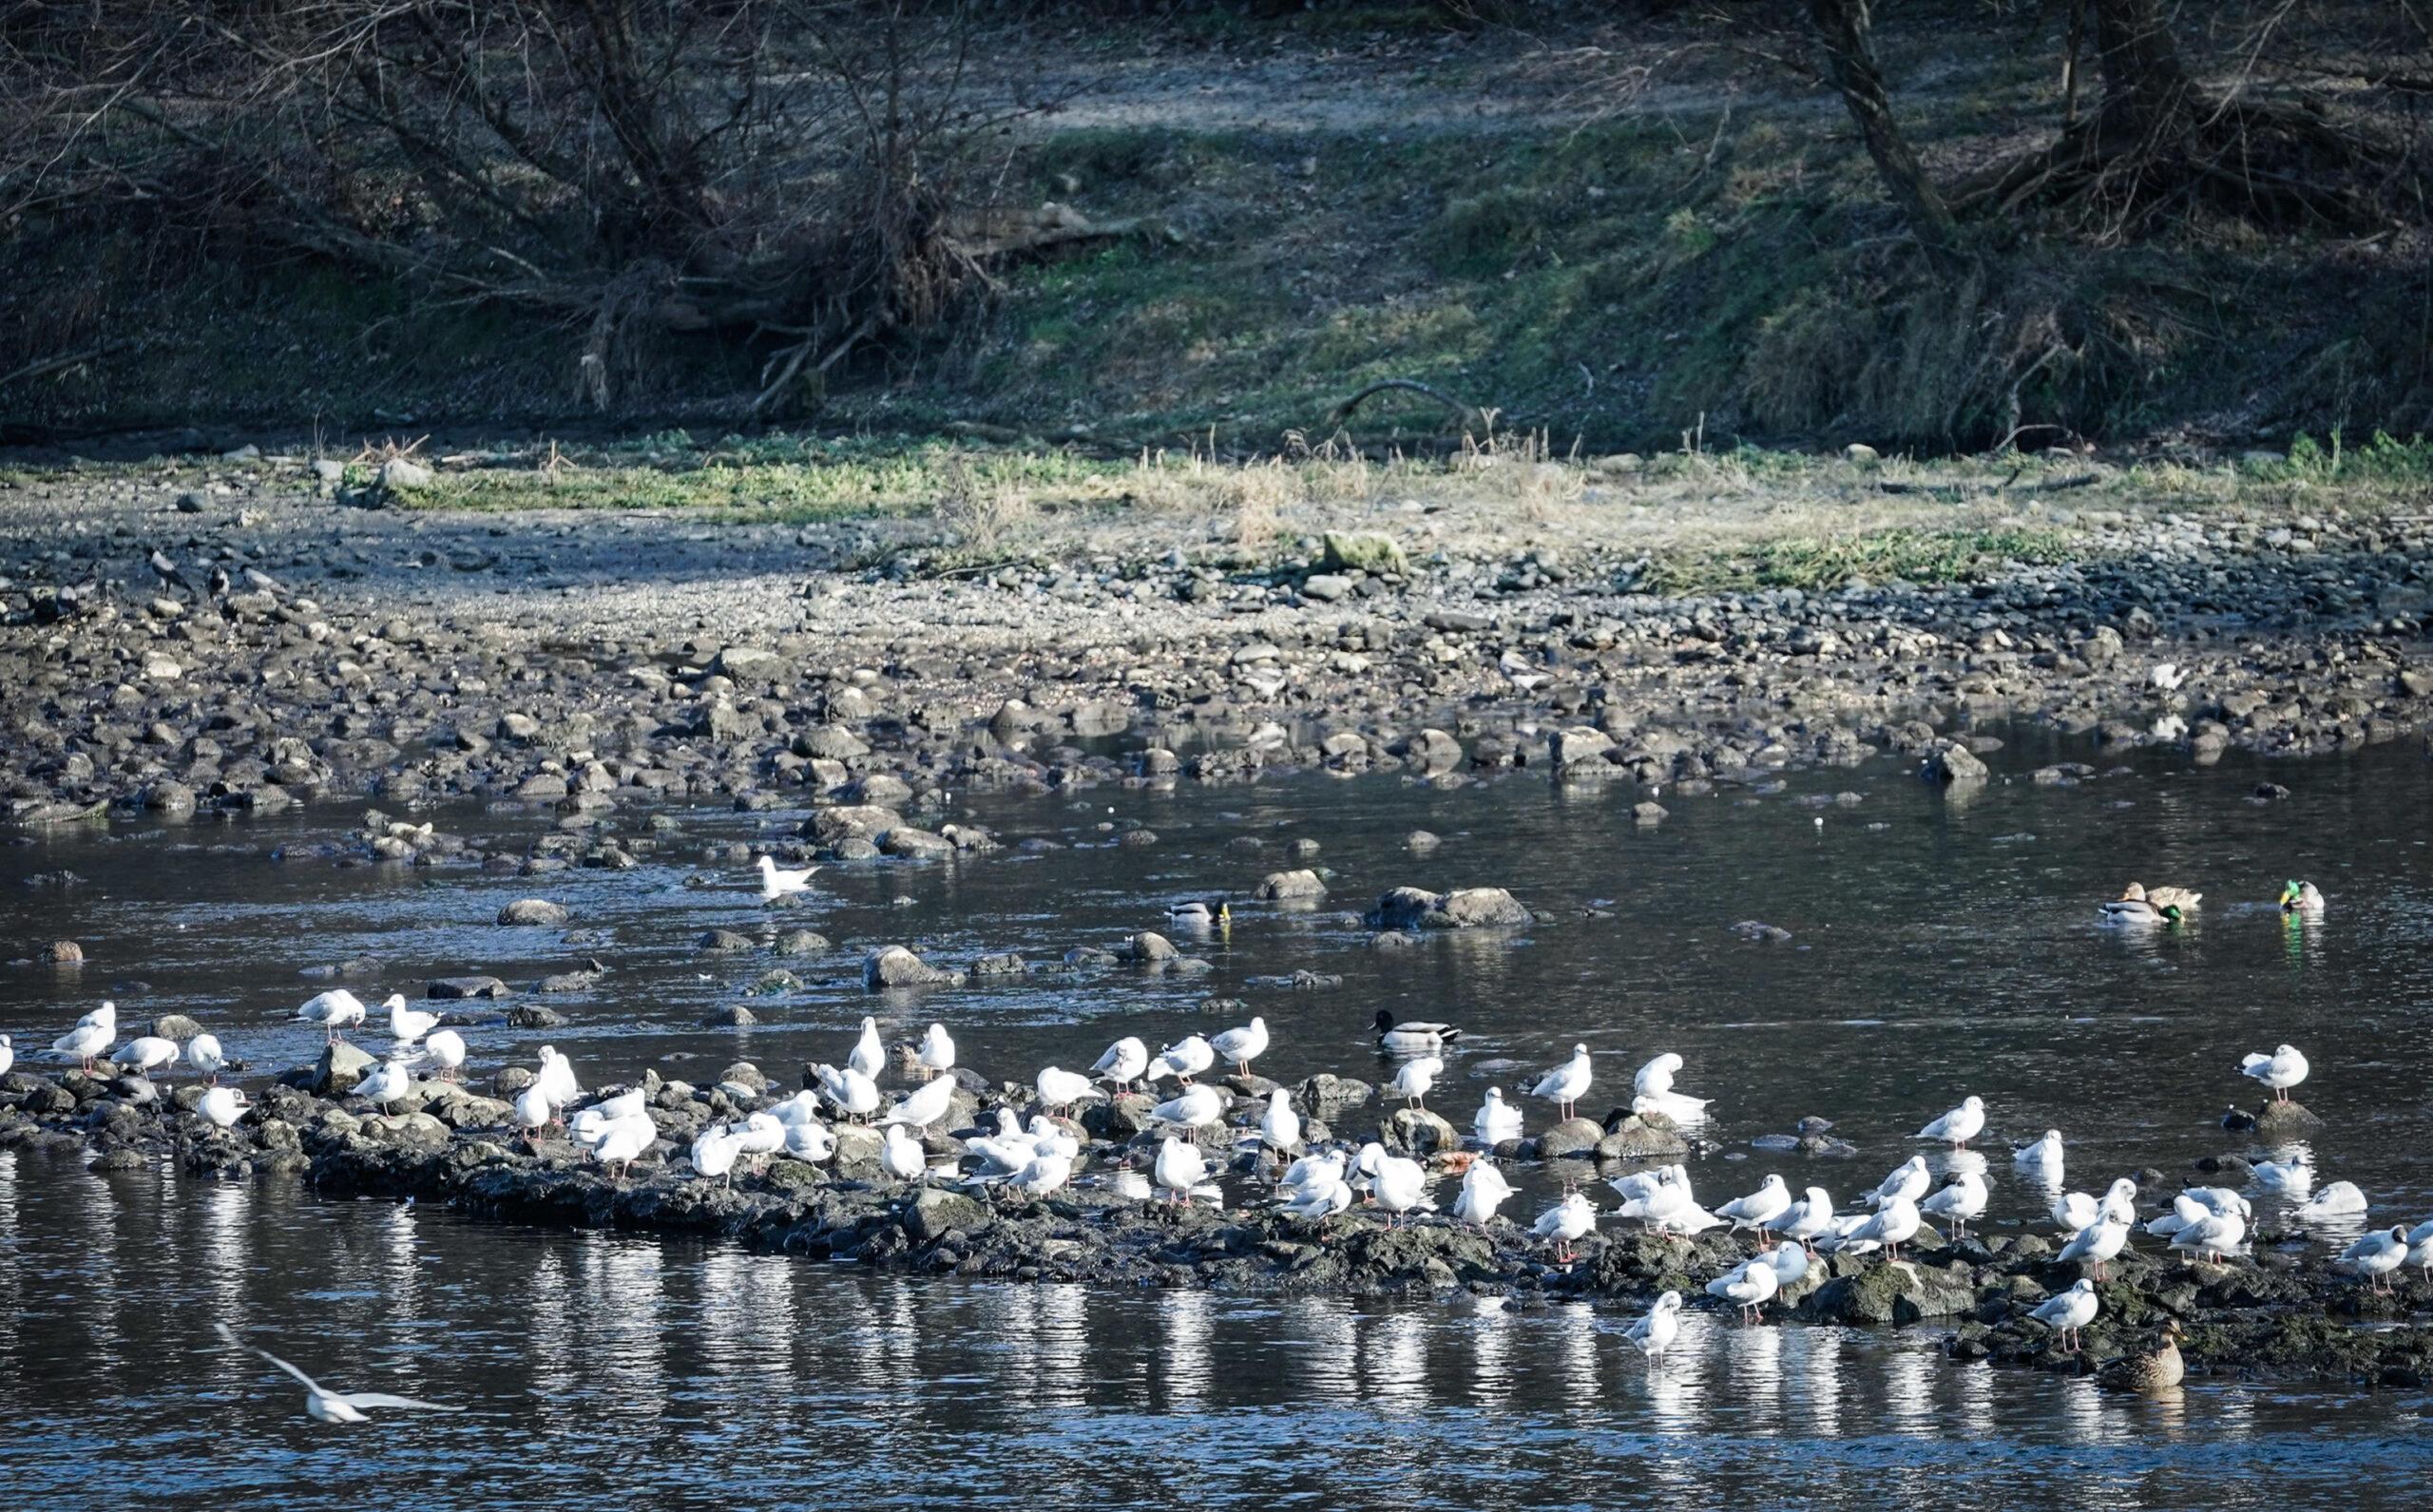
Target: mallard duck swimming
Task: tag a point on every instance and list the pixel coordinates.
(2161, 897)
(2150, 1371)
(2141, 914)
(1205, 913)
(2300, 897)
(1413, 1037)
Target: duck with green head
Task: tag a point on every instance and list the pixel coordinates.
(2300, 897)
(2141, 914)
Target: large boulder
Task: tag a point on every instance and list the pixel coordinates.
(1299, 884)
(851, 822)
(893, 965)
(532, 910)
(1326, 1096)
(937, 1212)
(1643, 1137)
(1365, 550)
(1462, 908)
(1892, 1292)
(1571, 1137)
(1417, 1132)
(340, 1067)
(1951, 762)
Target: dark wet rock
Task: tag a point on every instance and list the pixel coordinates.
(2280, 1122)
(1892, 1292)
(170, 1027)
(340, 1067)
(935, 1213)
(734, 1016)
(1003, 964)
(1952, 762)
(1420, 840)
(474, 986)
(1641, 1136)
(560, 982)
(1326, 1096)
(893, 966)
(1463, 908)
(803, 942)
(1301, 884)
(1572, 1137)
(725, 941)
(1146, 948)
(1760, 932)
(1417, 1132)
(534, 912)
(533, 1016)
(851, 821)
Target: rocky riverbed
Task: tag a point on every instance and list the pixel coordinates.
(2272, 1315)
(290, 648)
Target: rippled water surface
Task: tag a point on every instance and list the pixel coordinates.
(1940, 947)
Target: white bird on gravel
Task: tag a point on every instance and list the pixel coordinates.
(332, 1010)
(713, 1154)
(2212, 1236)
(447, 1047)
(2166, 675)
(1759, 1208)
(1041, 1176)
(91, 1035)
(1566, 1083)
(1809, 1219)
(2338, 1199)
(1957, 1203)
(2097, 1243)
(2068, 1311)
(408, 1024)
(325, 1405)
(387, 1081)
(2420, 1247)
(1413, 1078)
(1654, 1333)
(1239, 1047)
(1652, 1092)
(1123, 1062)
(1747, 1287)
(1484, 1190)
(2281, 1070)
(204, 1055)
(224, 1106)
(531, 1110)
(1567, 1222)
(1320, 1196)
(1059, 1088)
(1497, 1120)
(622, 1142)
(776, 881)
(937, 1049)
(1184, 1058)
(853, 1093)
(556, 1078)
(808, 1140)
(1399, 1185)
(1279, 1127)
(2043, 1157)
(1180, 1170)
(868, 1056)
(1907, 1182)
(901, 1155)
(1889, 1227)
(147, 1055)
(922, 1106)
(1960, 1125)
(2376, 1255)
(1196, 1108)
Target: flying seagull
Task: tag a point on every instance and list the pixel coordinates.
(334, 1406)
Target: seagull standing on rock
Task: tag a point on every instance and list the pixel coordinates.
(868, 1056)
(1059, 1088)
(2067, 1312)
(924, 1105)
(1907, 1183)
(1239, 1047)
(1484, 1190)
(446, 1047)
(148, 1054)
(203, 1054)
(1184, 1058)
(1566, 1223)
(2376, 1255)
(1196, 1108)
(1958, 1203)
(1807, 1220)
(1179, 1170)
(1568, 1084)
(224, 1106)
(902, 1156)
(937, 1049)
(1759, 1208)
(91, 1035)
(2281, 1070)
(1748, 1288)
(853, 1092)
(1413, 1078)
(2097, 1243)
(1123, 1063)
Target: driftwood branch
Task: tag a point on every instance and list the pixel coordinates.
(1471, 417)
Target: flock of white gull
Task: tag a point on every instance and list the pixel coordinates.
(1035, 1159)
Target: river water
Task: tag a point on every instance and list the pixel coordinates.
(1940, 946)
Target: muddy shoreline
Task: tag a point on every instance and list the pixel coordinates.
(2274, 1315)
(589, 659)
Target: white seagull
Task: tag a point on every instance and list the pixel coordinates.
(1747, 1287)
(335, 1407)
(1652, 1092)
(1279, 1127)
(1484, 1190)
(1122, 1064)
(408, 1024)
(714, 1152)
(937, 1049)
(1809, 1219)
(334, 1010)
(1399, 1185)
(1964, 1199)
(868, 1056)
(147, 1055)
(1759, 1208)
(924, 1105)
(1180, 1170)
(2281, 1070)
(2338, 1199)
(854, 1093)
(1566, 1083)
(2376, 1255)
(902, 1156)
(2212, 1235)
(224, 1106)
(776, 881)
(1907, 1182)
(2043, 1157)
(1960, 1125)
(1413, 1078)
(90, 1037)
(1566, 1223)
(2097, 1242)
(1653, 1334)
(2068, 1311)
(1239, 1047)
(447, 1047)
(1497, 1120)
(1059, 1088)
(1891, 1226)
(1184, 1058)
(1196, 1108)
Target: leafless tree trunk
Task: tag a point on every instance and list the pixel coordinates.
(1843, 33)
